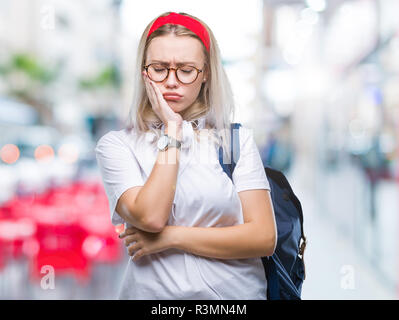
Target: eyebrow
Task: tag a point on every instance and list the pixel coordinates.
(178, 64)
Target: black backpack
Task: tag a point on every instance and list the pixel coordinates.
(285, 269)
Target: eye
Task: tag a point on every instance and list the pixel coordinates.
(158, 68)
(187, 69)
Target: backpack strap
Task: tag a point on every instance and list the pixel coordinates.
(234, 151)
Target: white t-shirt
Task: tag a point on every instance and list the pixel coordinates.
(205, 197)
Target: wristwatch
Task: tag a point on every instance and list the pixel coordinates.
(165, 141)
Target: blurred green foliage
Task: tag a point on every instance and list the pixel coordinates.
(30, 66)
(107, 77)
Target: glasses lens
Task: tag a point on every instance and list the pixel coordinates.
(157, 72)
(186, 74)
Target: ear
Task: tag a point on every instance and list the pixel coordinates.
(205, 73)
(205, 78)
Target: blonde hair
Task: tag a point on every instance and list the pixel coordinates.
(215, 99)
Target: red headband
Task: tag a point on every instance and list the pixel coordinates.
(186, 21)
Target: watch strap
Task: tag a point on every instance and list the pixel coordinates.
(174, 142)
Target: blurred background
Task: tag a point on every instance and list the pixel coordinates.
(317, 80)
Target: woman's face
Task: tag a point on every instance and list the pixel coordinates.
(173, 50)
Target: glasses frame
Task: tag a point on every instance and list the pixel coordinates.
(175, 70)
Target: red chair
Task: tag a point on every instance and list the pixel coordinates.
(60, 239)
(13, 234)
(60, 246)
(2, 256)
(69, 228)
(103, 244)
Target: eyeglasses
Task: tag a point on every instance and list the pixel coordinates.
(185, 74)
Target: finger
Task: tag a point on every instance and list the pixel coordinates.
(147, 86)
(129, 239)
(131, 230)
(128, 231)
(155, 90)
(133, 248)
(150, 92)
(138, 255)
(155, 93)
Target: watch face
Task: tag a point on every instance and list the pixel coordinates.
(163, 142)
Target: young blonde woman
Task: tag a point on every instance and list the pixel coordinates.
(193, 233)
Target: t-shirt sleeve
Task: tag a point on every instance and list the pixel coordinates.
(119, 170)
(249, 172)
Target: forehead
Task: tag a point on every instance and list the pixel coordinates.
(174, 49)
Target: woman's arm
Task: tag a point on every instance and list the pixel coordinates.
(148, 207)
(255, 238)
(142, 206)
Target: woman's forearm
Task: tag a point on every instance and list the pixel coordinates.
(233, 242)
(153, 204)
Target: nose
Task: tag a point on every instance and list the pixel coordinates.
(171, 80)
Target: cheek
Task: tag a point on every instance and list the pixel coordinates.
(193, 94)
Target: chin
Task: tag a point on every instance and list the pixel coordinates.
(176, 108)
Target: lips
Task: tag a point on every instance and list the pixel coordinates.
(171, 96)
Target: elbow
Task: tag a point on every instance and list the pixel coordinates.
(149, 222)
(153, 225)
